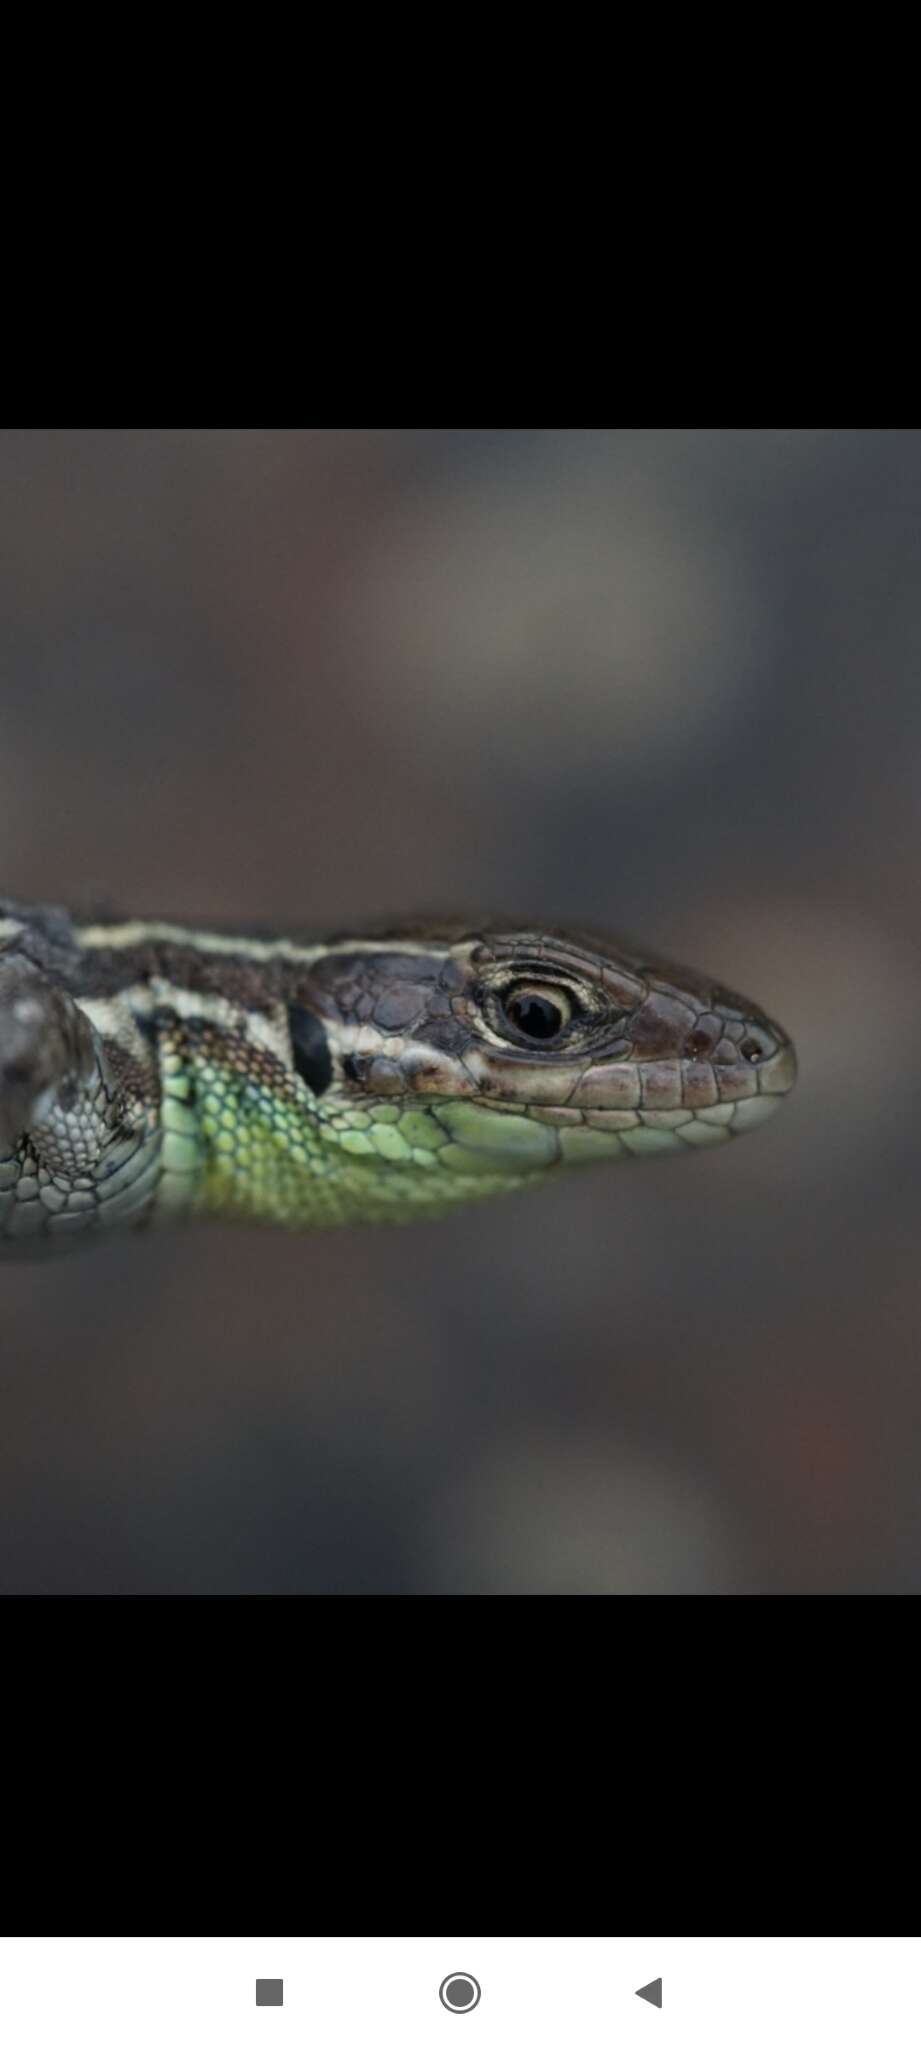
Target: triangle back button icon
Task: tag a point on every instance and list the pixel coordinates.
(652, 1992)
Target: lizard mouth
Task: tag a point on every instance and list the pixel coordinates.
(667, 1106)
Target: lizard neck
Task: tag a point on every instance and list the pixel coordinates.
(241, 1136)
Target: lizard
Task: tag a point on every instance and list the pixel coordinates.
(151, 1072)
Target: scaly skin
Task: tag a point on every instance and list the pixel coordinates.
(149, 1072)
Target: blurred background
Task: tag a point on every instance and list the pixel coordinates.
(664, 682)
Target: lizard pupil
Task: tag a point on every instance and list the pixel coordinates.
(535, 1015)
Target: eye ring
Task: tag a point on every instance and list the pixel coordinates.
(537, 1012)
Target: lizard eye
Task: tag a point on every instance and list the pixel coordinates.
(535, 1012)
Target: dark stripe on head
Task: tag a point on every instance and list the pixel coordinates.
(310, 1045)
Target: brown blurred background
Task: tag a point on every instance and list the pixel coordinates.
(666, 682)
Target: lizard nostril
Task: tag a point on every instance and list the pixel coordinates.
(752, 1051)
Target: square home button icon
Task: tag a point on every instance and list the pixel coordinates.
(269, 1990)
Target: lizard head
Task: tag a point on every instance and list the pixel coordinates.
(510, 1050)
